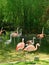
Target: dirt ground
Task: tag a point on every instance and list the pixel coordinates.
(12, 56)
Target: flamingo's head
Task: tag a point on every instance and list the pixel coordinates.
(26, 44)
(34, 37)
(22, 39)
(38, 44)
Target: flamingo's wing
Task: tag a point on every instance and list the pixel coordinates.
(29, 48)
(20, 45)
(14, 34)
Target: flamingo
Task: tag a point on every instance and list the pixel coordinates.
(2, 31)
(20, 33)
(9, 41)
(30, 47)
(30, 41)
(42, 34)
(16, 34)
(20, 45)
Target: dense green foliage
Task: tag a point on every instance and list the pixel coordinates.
(31, 15)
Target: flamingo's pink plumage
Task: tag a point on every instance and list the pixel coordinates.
(20, 45)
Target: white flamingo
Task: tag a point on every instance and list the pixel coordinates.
(9, 41)
(20, 33)
(33, 40)
(21, 45)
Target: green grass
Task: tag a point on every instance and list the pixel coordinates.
(9, 54)
(40, 62)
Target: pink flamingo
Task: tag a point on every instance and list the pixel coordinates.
(2, 31)
(30, 48)
(42, 34)
(20, 45)
(30, 41)
(16, 34)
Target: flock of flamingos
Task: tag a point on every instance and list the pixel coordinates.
(28, 46)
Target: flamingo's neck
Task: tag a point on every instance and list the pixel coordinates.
(36, 47)
(22, 39)
(20, 33)
(1, 29)
(43, 30)
(17, 30)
